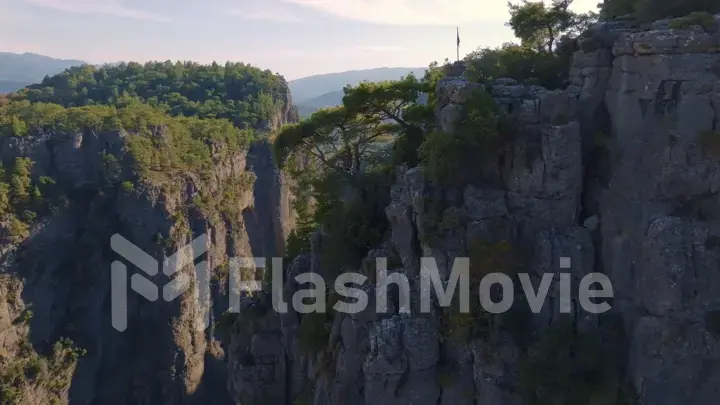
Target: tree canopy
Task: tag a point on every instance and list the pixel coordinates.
(342, 159)
(650, 10)
(371, 114)
(241, 93)
(539, 26)
(333, 138)
(547, 36)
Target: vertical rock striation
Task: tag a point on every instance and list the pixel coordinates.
(56, 282)
(618, 173)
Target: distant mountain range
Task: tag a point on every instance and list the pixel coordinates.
(320, 91)
(20, 70)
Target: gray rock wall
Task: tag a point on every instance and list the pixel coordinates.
(618, 173)
(658, 213)
(270, 218)
(61, 273)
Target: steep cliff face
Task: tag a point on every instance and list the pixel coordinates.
(58, 343)
(284, 112)
(660, 209)
(60, 274)
(269, 219)
(616, 173)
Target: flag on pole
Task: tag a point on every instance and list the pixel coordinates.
(458, 43)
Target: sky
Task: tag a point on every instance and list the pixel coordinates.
(295, 38)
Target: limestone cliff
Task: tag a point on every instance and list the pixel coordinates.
(619, 172)
(269, 219)
(57, 343)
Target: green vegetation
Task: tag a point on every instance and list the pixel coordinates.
(162, 130)
(305, 397)
(485, 258)
(163, 149)
(702, 19)
(492, 257)
(650, 10)
(446, 158)
(313, 333)
(342, 159)
(224, 201)
(461, 328)
(309, 89)
(610, 9)
(540, 26)
(546, 34)
(240, 93)
(565, 367)
(27, 370)
(24, 317)
(20, 200)
(127, 186)
(526, 65)
(335, 139)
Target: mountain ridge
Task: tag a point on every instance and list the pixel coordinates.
(326, 90)
(18, 70)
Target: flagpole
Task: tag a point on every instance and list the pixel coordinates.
(458, 43)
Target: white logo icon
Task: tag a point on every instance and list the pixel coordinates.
(143, 286)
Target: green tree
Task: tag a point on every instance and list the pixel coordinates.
(4, 193)
(540, 27)
(396, 102)
(610, 9)
(456, 158)
(333, 139)
(547, 35)
(188, 89)
(20, 181)
(339, 156)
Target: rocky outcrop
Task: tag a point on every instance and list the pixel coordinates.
(56, 291)
(658, 213)
(615, 174)
(284, 112)
(60, 274)
(398, 358)
(618, 174)
(269, 219)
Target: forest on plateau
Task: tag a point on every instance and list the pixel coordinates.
(241, 93)
(204, 113)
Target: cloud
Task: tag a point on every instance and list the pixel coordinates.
(110, 7)
(410, 12)
(380, 48)
(419, 12)
(282, 52)
(274, 14)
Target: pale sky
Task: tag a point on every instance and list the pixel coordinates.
(295, 38)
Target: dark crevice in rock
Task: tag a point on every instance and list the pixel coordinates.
(667, 96)
(289, 383)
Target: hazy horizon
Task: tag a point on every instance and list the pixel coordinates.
(296, 38)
